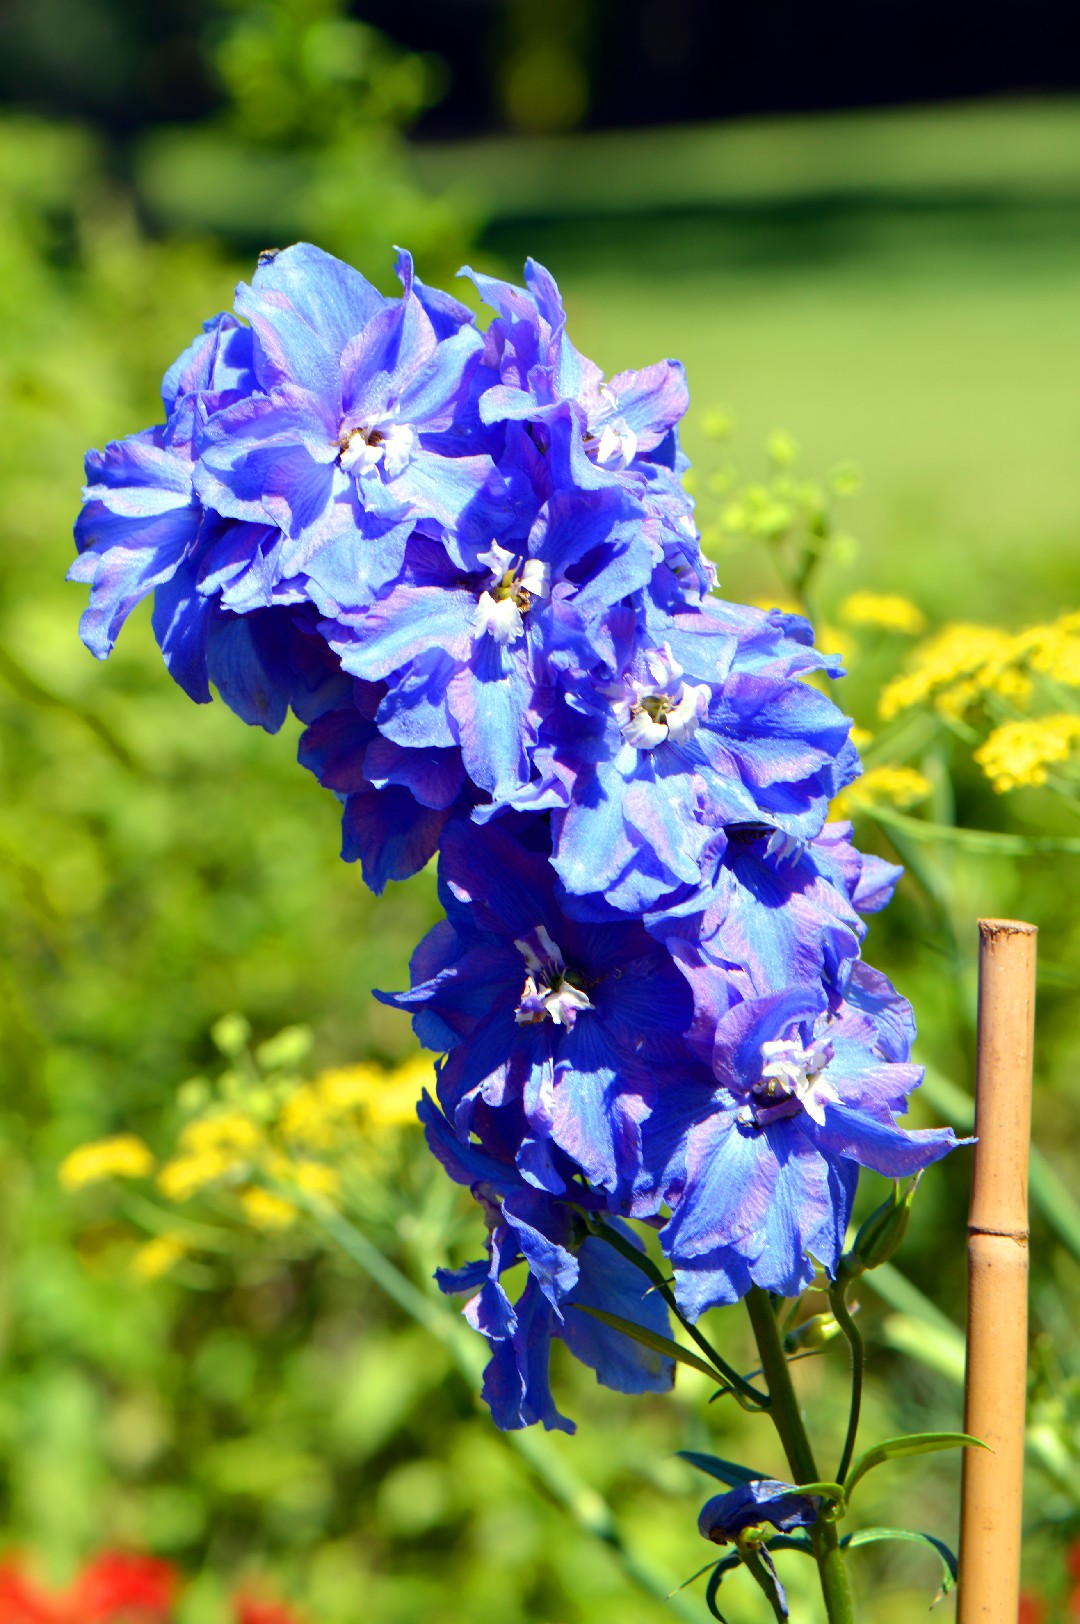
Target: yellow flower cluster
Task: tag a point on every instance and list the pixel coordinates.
(882, 786)
(964, 663)
(1054, 650)
(220, 1145)
(883, 611)
(122, 1157)
(315, 1112)
(1019, 753)
(291, 1136)
(955, 668)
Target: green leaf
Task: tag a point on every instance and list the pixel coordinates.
(724, 1566)
(725, 1470)
(913, 1443)
(870, 1536)
(975, 840)
(649, 1339)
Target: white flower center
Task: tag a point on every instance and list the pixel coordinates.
(514, 587)
(548, 994)
(609, 439)
(792, 1080)
(651, 713)
(385, 441)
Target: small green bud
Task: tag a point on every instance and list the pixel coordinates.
(718, 423)
(814, 1332)
(782, 449)
(230, 1035)
(286, 1048)
(193, 1096)
(845, 479)
(881, 1233)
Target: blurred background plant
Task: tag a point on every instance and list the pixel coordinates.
(202, 1369)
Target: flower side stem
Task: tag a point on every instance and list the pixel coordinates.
(842, 1314)
(787, 1418)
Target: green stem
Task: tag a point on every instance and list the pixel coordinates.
(641, 1260)
(858, 1360)
(788, 1421)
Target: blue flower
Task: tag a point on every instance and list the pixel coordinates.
(568, 1022)
(761, 1166)
(568, 1269)
(346, 445)
(473, 657)
(776, 912)
(142, 529)
(396, 801)
(674, 742)
(763, 1500)
(619, 432)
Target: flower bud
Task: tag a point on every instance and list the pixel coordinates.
(814, 1332)
(881, 1234)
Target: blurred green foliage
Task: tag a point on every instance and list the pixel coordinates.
(267, 1407)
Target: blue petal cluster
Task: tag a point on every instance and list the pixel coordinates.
(467, 563)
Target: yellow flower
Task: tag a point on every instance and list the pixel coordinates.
(157, 1257)
(860, 736)
(954, 668)
(882, 786)
(121, 1157)
(185, 1176)
(264, 1210)
(304, 1119)
(315, 1178)
(886, 611)
(224, 1133)
(393, 1102)
(1019, 753)
(1054, 650)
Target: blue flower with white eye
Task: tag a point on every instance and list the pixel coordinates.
(653, 756)
(473, 657)
(621, 431)
(763, 1158)
(568, 1269)
(348, 442)
(566, 1022)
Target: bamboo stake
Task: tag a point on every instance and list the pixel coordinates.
(996, 1380)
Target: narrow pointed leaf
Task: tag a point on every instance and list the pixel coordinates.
(649, 1339)
(725, 1470)
(717, 1579)
(762, 1568)
(871, 1536)
(915, 1443)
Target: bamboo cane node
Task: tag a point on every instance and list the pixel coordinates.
(1020, 1236)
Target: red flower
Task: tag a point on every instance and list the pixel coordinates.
(259, 1610)
(1032, 1608)
(114, 1589)
(120, 1589)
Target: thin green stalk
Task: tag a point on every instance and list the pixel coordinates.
(847, 1324)
(788, 1421)
(640, 1260)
